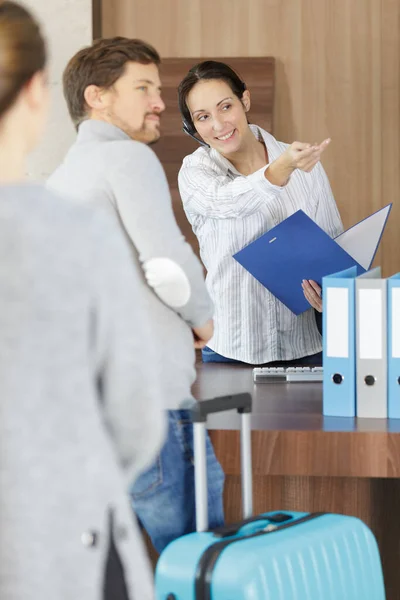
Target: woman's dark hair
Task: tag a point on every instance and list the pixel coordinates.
(22, 51)
(204, 71)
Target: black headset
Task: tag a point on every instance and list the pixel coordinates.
(188, 128)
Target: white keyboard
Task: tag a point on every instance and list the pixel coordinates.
(287, 374)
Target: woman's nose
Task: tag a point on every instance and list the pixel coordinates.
(218, 125)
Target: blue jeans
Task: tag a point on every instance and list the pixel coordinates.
(163, 496)
(314, 360)
(209, 355)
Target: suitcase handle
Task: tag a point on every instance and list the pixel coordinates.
(228, 530)
(242, 403)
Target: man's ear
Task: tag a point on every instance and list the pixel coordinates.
(95, 97)
(246, 100)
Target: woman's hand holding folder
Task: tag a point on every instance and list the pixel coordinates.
(313, 293)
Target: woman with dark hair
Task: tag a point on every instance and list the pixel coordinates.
(80, 409)
(238, 185)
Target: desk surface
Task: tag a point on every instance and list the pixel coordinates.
(290, 434)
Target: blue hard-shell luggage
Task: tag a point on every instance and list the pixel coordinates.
(274, 556)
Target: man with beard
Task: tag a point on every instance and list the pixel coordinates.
(113, 93)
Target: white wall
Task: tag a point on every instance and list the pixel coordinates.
(67, 25)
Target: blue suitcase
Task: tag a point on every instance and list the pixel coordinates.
(274, 556)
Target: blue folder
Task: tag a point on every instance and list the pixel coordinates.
(339, 344)
(393, 318)
(298, 249)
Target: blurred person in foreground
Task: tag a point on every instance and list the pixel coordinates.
(80, 411)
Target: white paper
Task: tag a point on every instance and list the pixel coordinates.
(337, 334)
(362, 240)
(370, 323)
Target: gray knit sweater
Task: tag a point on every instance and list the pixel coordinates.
(104, 167)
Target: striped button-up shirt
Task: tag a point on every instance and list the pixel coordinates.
(227, 211)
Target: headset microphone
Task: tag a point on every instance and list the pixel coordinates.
(186, 128)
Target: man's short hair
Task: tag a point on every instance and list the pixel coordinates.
(101, 64)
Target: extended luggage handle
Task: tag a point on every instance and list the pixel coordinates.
(242, 403)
